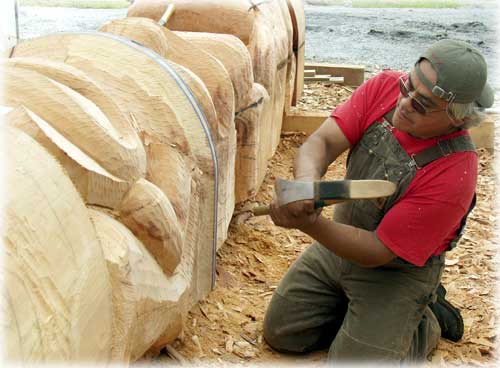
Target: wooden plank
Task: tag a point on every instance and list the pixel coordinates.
(306, 122)
(324, 78)
(483, 136)
(309, 73)
(354, 75)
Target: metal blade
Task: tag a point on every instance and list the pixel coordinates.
(353, 189)
(288, 191)
(291, 191)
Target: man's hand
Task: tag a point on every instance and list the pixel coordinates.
(295, 215)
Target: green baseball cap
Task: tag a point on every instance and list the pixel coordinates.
(461, 73)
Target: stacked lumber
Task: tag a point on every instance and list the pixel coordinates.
(271, 31)
(135, 143)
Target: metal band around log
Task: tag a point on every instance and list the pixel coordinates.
(201, 118)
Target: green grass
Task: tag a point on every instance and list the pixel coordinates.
(83, 4)
(432, 4)
(406, 4)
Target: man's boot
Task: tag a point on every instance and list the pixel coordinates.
(449, 318)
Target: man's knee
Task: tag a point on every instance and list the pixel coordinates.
(349, 349)
(291, 326)
(275, 328)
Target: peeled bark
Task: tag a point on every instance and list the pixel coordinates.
(56, 289)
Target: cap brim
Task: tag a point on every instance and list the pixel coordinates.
(487, 97)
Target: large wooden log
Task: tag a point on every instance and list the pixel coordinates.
(216, 100)
(228, 17)
(264, 27)
(275, 16)
(225, 148)
(146, 303)
(269, 42)
(163, 109)
(57, 295)
(254, 116)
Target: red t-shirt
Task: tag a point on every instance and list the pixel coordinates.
(427, 216)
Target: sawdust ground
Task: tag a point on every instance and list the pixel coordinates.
(226, 327)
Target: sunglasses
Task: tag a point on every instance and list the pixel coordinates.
(415, 103)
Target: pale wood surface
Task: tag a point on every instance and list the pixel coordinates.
(170, 101)
(155, 88)
(291, 88)
(250, 157)
(228, 17)
(148, 213)
(94, 183)
(296, 8)
(94, 180)
(233, 54)
(210, 83)
(269, 39)
(270, 48)
(145, 302)
(77, 118)
(269, 43)
(57, 289)
(354, 75)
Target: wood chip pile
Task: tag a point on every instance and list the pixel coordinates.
(226, 327)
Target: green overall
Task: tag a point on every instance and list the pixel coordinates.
(363, 314)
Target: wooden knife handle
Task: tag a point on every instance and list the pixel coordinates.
(260, 210)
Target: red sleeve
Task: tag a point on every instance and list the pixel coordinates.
(368, 103)
(427, 217)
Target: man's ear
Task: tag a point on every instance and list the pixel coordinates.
(457, 123)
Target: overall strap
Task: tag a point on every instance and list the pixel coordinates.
(443, 148)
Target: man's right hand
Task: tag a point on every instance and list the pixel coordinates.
(294, 215)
